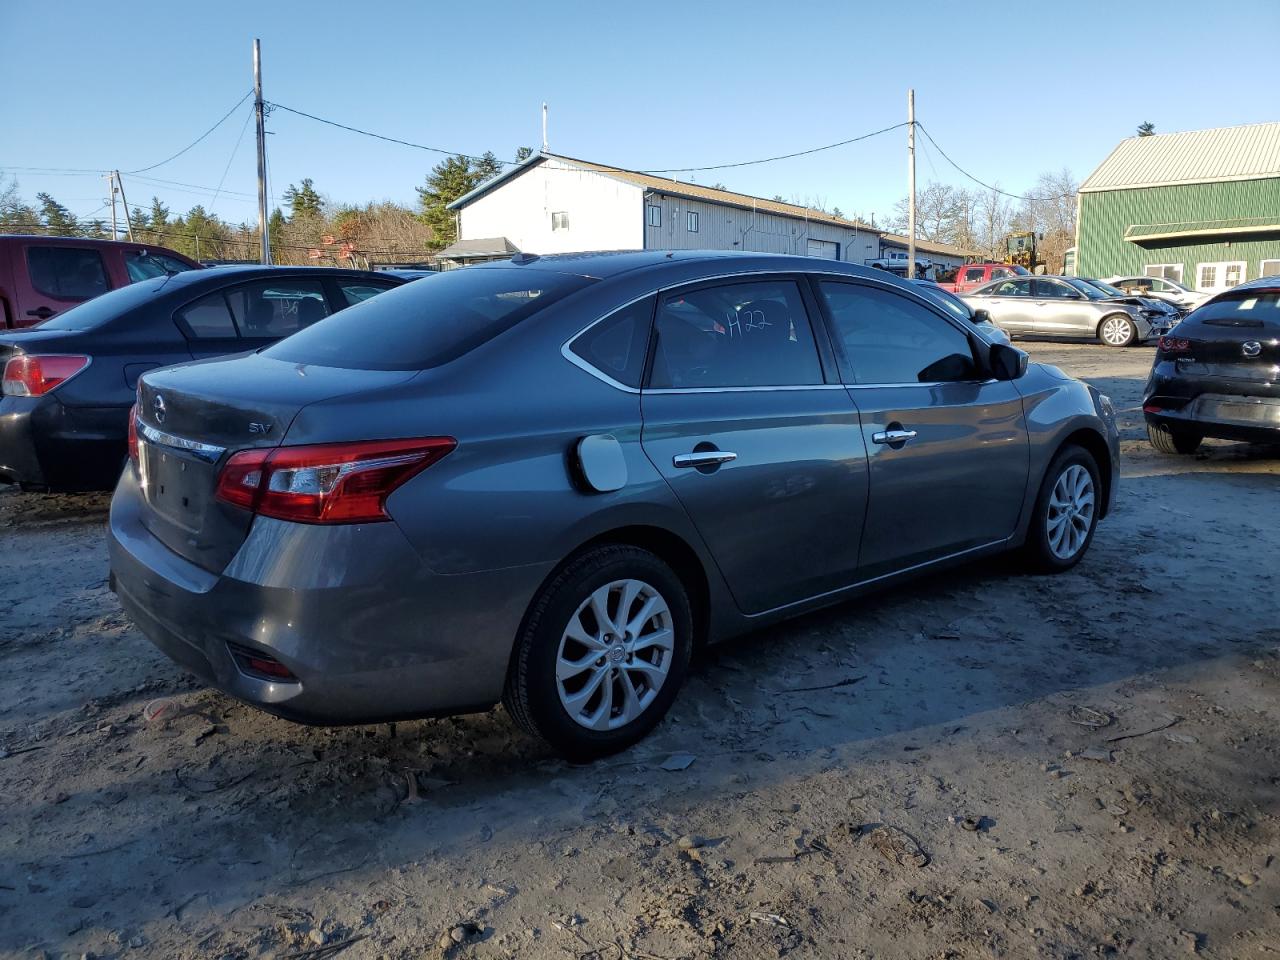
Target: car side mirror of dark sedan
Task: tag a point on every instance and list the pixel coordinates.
(1006, 362)
(981, 316)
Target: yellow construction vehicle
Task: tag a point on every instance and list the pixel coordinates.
(1020, 251)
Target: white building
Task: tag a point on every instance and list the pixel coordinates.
(554, 204)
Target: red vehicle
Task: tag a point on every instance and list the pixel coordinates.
(973, 275)
(43, 276)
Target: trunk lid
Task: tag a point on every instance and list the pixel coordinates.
(192, 418)
(1235, 338)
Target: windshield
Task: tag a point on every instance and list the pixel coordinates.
(1020, 271)
(1088, 289)
(94, 313)
(427, 323)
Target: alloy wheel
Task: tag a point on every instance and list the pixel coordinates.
(615, 654)
(1116, 331)
(1070, 514)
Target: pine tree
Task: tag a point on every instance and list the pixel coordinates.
(486, 168)
(303, 201)
(523, 154)
(159, 216)
(60, 221)
(16, 216)
(1146, 129)
(275, 231)
(448, 180)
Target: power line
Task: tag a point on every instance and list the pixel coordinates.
(234, 150)
(196, 140)
(513, 163)
(981, 183)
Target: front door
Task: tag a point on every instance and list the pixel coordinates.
(1219, 276)
(1058, 309)
(1009, 304)
(947, 446)
(762, 447)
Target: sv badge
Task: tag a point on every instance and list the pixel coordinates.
(262, 428)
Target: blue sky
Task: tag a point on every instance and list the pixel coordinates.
(643, 86)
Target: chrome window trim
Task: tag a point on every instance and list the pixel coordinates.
(205, 451)
(566, 350)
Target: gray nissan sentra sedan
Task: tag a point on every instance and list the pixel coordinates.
(546, 481)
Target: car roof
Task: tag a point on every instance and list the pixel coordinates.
(603, 265)
(250, 271)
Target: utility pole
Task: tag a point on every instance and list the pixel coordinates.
(128, 221)
(911, 184)
(260, 119)
(545, 148)
(111, 183)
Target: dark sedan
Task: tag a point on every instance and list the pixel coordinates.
(1217, 374)
(68, 383)
(547, 480)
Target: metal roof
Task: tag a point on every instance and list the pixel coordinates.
(485, 247)
(930, 246)
(1250, 152)
(672, 187)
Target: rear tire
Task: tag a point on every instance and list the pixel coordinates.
(1117, 330)
(1066, 512)
(593, 669)
(1166, 440)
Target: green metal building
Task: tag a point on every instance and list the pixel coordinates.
(1201, 207)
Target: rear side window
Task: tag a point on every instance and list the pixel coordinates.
(358, 291)
(616, 345)
(753, 334)
(426, 324)
(1261, 309)
(67, 273)
(146, 264)
(271, 309)
(209, 317)
(973, 274)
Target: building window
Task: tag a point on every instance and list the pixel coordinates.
(1269, 268)
(560, 220)
(654, 214)
(693, 221)
(1208, 275)
(1166, 271)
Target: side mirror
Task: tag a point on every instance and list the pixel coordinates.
(1006, 362)
(981, 316)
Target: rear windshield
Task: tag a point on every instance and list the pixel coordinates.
(428, 322)
(94, 313)
(1243, 309)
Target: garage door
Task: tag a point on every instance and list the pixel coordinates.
(824, 248)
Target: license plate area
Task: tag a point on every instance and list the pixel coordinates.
(177, 486)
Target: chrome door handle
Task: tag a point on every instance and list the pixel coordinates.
(893, 436)
(703, 458)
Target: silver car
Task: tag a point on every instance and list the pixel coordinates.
(1160, 288)
(547, 481)
(1066, 307)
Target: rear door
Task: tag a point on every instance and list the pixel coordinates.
(1009, 303)
(51, 278)
(759, 442)
(947, 446)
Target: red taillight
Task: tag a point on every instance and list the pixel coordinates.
(1174, 345)
(133, 434)
(33, 375)
(1151, 408)
(327, 483)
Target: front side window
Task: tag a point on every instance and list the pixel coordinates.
(753, 334)
(207, 318)
(560, 220)
(67, 273)
(1053, 290)
(884, 338)
(693, 221)
(654, 214)
(616, 345)
(147, 264)
(358, 291)
(271, 309)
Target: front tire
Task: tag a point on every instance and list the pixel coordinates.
(602, 653)
(1166, 440)
(1117, 330)
(1066, 512)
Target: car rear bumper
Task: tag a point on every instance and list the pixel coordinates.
(367, 632)
(46, 443)
(1223, 417)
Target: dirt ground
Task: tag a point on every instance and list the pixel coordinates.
(996, 765)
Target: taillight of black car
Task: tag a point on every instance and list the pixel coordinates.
(34, 375)
(327, 483)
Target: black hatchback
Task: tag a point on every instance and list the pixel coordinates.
(68, 383)
(1217, 374)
